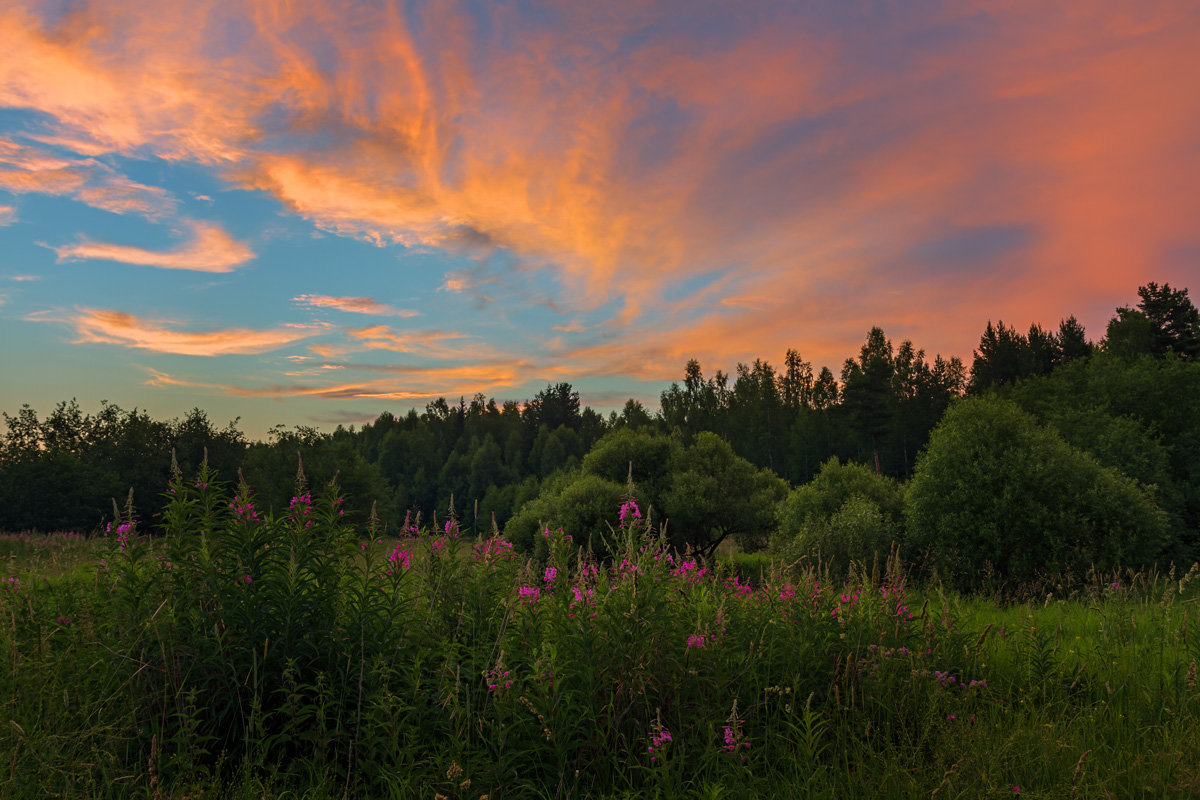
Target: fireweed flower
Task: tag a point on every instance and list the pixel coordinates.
(493, 549)
(123, 531)
(529, 595)
(300, 508)
(689, 571)
(734, 739)
(549, 575)
(629, 509)
(582, 597)
(400, 557)
(627, 567)
(244, 509)
(659, 736)
(498, 678)
(737, 587)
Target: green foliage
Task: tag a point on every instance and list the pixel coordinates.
(64, 471)
(1165, 321)
(836, 483)
(271, 469)
(712, 493)
(643, 456)
(998, 496)
(1140, 416)
(648, 678)
(704, 492)
(463, 671)
(847, 513)
(579, 502)
(857, 533)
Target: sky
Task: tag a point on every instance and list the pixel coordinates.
(307, 213)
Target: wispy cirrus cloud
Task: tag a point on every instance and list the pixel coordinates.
(25, 168)
(430, 343)
(210, 249)
(354, 305)
(717, 183)
(8, 215)
(406, 383)
(103, 326)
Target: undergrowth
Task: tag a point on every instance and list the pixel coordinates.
(241, 653)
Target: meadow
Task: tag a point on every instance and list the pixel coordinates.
(241, 653)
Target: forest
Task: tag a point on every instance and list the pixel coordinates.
(1095, 443)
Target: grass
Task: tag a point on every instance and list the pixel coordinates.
(48, 556)
(240, 655)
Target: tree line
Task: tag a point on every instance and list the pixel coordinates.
(718, 451)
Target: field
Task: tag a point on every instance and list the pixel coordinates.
(240, 654)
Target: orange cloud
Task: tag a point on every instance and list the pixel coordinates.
(431, 343)
(454, 284)
(30, 169)
(400, 383)
(117, 80)
(354, 305)
(708, 184)
(211, 249)
(116, 327)
(8, 215)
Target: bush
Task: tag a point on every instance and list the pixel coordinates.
(703, 493)
(581, 504)
(642, 455)
(858, 532)
(815, 503)
(995, 493)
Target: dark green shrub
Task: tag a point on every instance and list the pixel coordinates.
(858, 532)
(995, 493)
(641, 454)
(703, 493)
(582, 505)
(713, 493)
(816, 502)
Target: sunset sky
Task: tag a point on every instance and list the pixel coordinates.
(312, 212)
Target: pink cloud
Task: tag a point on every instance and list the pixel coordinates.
(210, 249)
(127, 330)
(31, 169)
(732, 184)
(354, 305)
(415, 385)
(430, 343)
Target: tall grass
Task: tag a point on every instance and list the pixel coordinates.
(255, 654)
